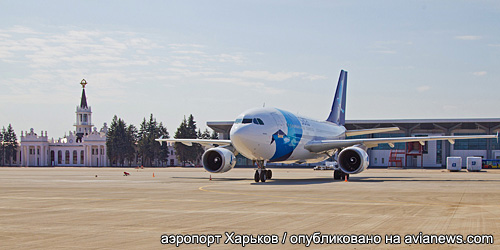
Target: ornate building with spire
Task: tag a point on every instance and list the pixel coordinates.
(83, 147)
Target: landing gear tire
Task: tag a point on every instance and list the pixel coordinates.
(263, 175)
(344, 176)
(256, 176)
(269, 174)
(337, 174)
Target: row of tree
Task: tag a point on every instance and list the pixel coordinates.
(127, 144)
(8, 145)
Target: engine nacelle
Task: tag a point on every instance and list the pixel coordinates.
(218, 160)
(353, 160)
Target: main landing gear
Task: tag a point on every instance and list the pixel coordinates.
(340, 175)
(262, 174)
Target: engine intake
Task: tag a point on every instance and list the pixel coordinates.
(218, 160)
(353, 160)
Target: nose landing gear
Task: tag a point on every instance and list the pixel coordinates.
(262, 174)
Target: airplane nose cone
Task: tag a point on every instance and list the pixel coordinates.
(245, 140)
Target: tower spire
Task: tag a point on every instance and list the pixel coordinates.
(83, 116)
(83, 103)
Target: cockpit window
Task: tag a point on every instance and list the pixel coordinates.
(247, 120)
(258, 121)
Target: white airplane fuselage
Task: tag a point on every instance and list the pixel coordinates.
(275, 135)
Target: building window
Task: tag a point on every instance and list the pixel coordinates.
(59, 157)
(37, 151)
(31, 151)
(66, 157)
(82, 155)
(439, 152)
(75, 157)
(472, 144)
(52, 157)
(385, 146)
(383, 159)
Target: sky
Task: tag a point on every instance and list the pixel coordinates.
(215, 59)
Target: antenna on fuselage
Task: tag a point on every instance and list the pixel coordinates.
(264, 105)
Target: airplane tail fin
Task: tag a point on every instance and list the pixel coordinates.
(337, 114)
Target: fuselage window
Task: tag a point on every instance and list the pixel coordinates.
(238, 120)
(247, 120)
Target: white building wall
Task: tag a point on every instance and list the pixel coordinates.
(379, 158)
(430, 158)
(496, 154)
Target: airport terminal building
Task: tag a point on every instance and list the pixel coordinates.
(413, 154)
(85, 146)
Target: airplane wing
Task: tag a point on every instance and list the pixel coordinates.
(370, 131)
(203, 142)
(325, 145)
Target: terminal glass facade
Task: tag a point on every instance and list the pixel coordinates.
(472, 144)
(385, 146)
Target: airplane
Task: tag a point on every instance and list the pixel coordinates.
(271, 135)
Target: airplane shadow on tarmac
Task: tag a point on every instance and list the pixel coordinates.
(269, 182)
(312, 181)
(411, 179)
(213, 179)
(308, 181)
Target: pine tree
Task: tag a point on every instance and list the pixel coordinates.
(164, 150)
(111, 149)
(181, 150)
(121, 141)
(131, 135)
(149, 149)
(187, 130)
(2, 148)
(204, 135)
(197, 149)
(214, 135)
(9, 144)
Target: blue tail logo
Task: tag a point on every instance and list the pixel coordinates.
(337, 114)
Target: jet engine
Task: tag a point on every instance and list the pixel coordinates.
(218, 160)
(353, 160)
